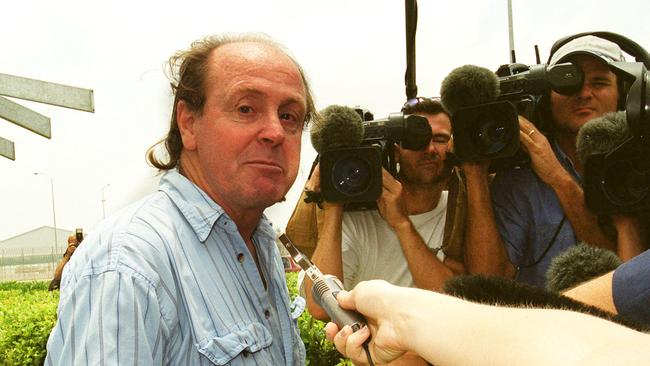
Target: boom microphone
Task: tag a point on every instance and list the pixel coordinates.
(616, 175)
(485, 128)
(504, 292)
(579, 264)
(468, 86)
(339, 127)
(602, 135)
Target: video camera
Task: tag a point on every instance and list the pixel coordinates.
(618, 181)
(490, 131)
(353, 175)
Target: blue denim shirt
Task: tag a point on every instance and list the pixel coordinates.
(631, 288)
(528, 213)
(169, 281)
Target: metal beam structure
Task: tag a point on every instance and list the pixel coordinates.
(42, 92)
(45, 92)
(25, 117)
(7, 149)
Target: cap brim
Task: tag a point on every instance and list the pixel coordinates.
(606, 60)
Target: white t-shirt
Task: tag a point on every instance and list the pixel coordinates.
(371, 249)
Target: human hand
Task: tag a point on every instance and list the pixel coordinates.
(543, 159)
(313, 183)
(476, 169)
(391, 203)
(376, 301)
(631, 235)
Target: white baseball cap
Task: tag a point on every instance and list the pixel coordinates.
(600, 48)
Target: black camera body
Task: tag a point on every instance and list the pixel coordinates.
(353, 175)
(490, 131)
(618, 181)
(79, 235)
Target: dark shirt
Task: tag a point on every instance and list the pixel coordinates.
(528, 213)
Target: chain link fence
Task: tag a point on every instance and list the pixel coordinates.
(28, 264)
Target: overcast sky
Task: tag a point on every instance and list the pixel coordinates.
(352, 50)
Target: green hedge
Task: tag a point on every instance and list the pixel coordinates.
(320, 352)
(28, 313)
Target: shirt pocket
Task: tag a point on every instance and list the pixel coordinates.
(250, 338)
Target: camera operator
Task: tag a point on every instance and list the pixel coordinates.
(401, 242)
(538, 211)
(626, 290)
(73, 242)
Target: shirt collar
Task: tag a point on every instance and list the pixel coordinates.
(565, 160)
(200, 211)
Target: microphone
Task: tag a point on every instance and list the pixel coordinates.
(602, 135)
(579, 264)
(467, 86)
(338, 127)
(485, 128)
(324, 290)
(615, 178)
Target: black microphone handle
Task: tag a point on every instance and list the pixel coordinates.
(323, 293)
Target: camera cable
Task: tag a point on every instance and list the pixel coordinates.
(548, 247)
(365, 347)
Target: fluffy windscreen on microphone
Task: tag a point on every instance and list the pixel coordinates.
(467, 86)
(338, 127)
(504, 292)
(602, 134)
(579, 264)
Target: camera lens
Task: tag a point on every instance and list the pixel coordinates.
(351, 175)
(491, 136)
(627, 183)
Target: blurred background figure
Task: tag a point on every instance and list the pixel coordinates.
(73, 242)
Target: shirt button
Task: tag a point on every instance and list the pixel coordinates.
(267, 313)
(240, 257)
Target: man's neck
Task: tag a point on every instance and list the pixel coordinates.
(567, 143)
(245, 219)
(421, 198)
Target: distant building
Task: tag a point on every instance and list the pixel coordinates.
(36, 241)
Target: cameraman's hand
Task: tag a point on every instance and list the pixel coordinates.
(313, 184)
(631, 233)
(476, 169)
(543, 159)
(391, 203)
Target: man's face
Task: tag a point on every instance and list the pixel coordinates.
(428, 166)
(598, 95)
(247, 140)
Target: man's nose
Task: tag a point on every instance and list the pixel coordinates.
(272, 131)
(585, 91)
(437, 148)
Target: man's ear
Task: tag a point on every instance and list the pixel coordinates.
(186, 122)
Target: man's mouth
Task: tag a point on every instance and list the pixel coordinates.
(266, 164)
(584, 110)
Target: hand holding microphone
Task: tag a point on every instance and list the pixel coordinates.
(324, 291)
(377, 300)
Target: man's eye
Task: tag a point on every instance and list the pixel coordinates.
(245, 109)
(287, 117)
(292, 122)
